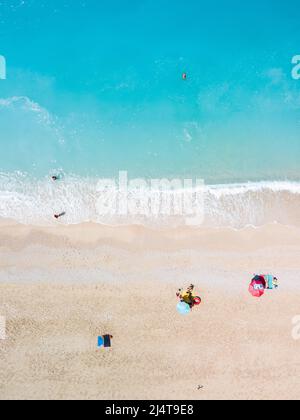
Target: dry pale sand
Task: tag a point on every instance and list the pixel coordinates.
(62, 287)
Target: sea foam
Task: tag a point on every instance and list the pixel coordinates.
(34, 201)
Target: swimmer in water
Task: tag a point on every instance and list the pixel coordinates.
(57, 177)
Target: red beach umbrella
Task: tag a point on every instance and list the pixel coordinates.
(257, 286)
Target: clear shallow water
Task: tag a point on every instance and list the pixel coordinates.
(111, 97)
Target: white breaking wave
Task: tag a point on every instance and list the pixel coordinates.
(256, 204)
(31, 201)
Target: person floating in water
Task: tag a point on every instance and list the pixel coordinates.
(184, 76)
(188, 296)
(55, 178)
(58, 216)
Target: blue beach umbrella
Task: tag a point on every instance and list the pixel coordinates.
(183, 308)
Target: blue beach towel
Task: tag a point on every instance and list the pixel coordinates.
(269, 279)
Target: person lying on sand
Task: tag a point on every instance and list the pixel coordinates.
(187, 296)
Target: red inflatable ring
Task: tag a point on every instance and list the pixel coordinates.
(197, 301)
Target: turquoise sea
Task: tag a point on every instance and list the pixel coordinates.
(95, 87)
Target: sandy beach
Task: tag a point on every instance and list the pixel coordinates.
(60, 288)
